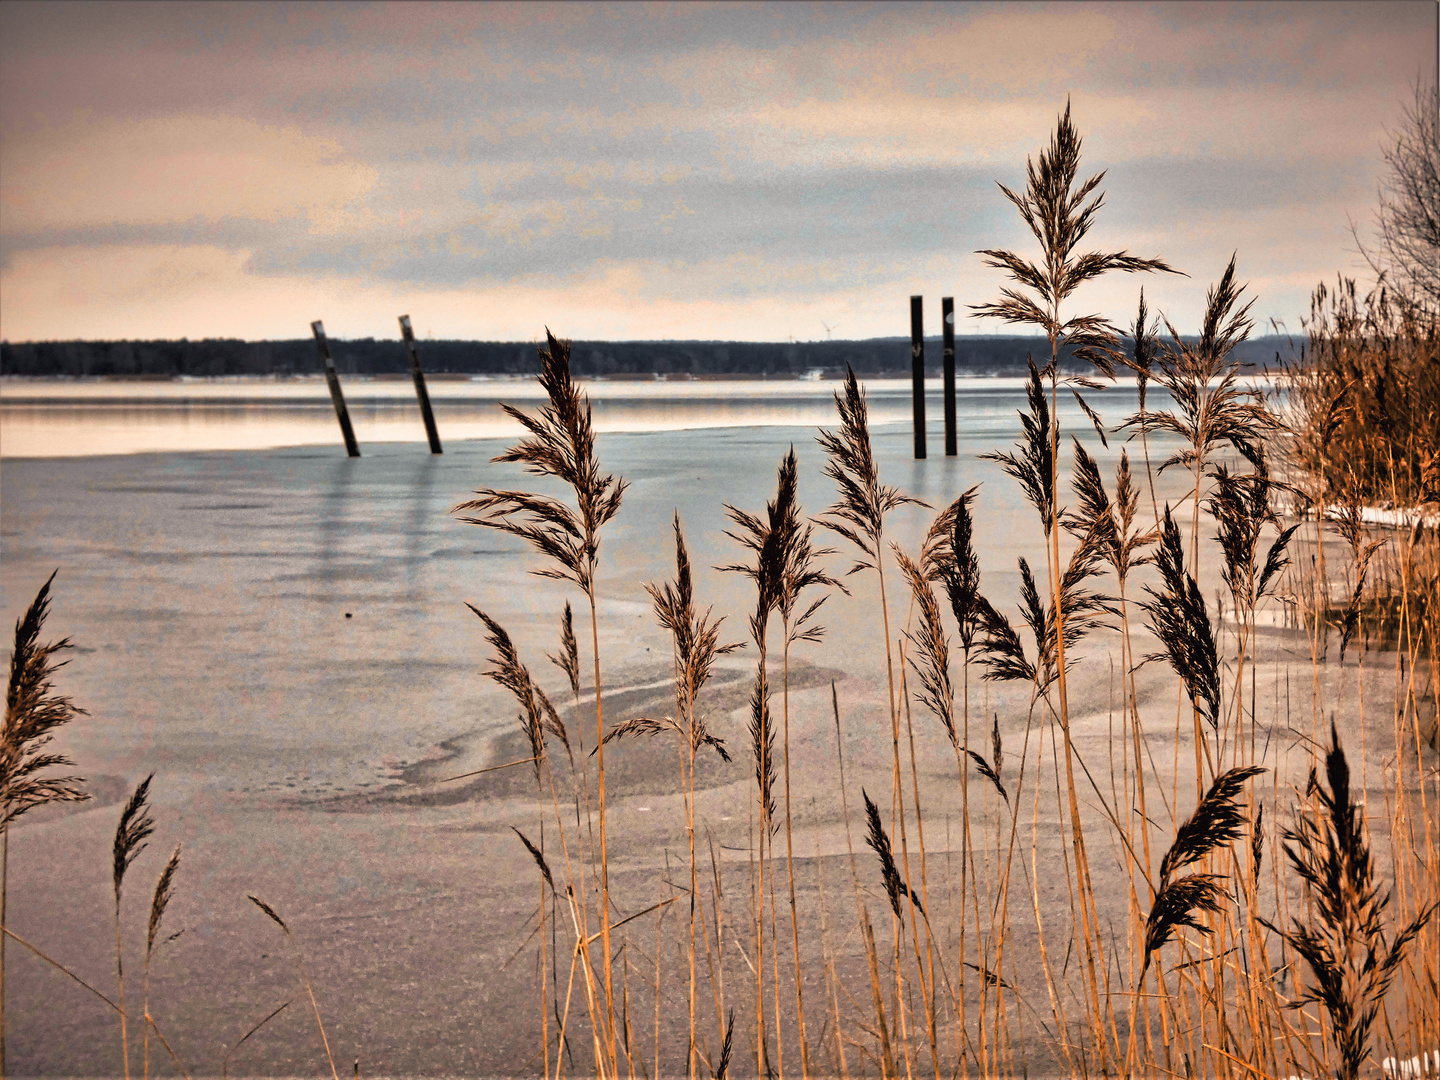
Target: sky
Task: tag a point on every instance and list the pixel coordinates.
(732, 171)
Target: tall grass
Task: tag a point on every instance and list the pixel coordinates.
(1363, 397)
(1111, 902)
(33, 713)
(1197, 980)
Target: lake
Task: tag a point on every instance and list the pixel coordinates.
(278, 632)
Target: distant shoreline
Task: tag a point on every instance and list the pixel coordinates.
(609, 360)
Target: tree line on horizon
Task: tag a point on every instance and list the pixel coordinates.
(369, 356)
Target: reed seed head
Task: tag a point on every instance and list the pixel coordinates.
(879, 842)
(1214, 823)
(514, 676)
(568, 658)
(695, 637)
(930, 659)
(762, 745)
(1351, 963)
(136, 825)
(1055, 210)
(536, 854)
(724, 1065)
(269, 911)
(859, 514)
(948, 556)
(1032, 465)
(32, 713)
(561, 445)
(1179, 619)
(164, 890)
(1212, 406)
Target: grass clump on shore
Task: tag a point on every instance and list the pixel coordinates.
(1362, 456)
(1364, 398)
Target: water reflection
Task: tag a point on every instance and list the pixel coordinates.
(52, 419)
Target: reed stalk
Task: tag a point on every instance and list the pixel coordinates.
(562, 445)
(164, 890)
(304, 977)
(135, 826)
(33, 712)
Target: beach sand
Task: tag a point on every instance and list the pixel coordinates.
(280, 637)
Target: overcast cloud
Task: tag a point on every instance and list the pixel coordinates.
(674, 171)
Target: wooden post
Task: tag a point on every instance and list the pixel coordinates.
(917, 371)
(351, 446)
(947, 319)
(420, 392)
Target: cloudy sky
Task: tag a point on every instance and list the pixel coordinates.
(731, 171)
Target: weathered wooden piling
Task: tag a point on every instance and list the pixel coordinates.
(351, 446)
(421, 393)
(947, 319)
(917, 370)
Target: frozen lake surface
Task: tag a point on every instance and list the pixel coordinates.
(279, 634)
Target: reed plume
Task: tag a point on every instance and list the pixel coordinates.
(538, 856)
(1033, 462)
(1109, 525)
(988, 771)
(1082, 610)
(562, 445)
(1240, 505)
(135, 827)
(1257, 846)
(514, 676)
(656, 725)
(723, 1067)
(858, 515)
(1362, 551)
(568, 658)
(948, 556)
(1351, 963)
(1001, 653)
(931, 657)
(164, 891)
(1179, 619)
(783, 565)
(1212, 408)
(695, 638)
(553, 723)
(879, 842)
(1055, 211)
(32, 712)
(762, 743)
(1143, 352)
(1215, 822)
